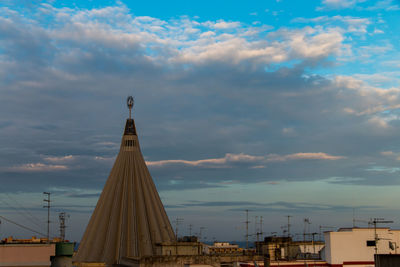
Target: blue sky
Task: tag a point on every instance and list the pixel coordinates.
(279, 107)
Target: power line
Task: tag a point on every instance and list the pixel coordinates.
(23, 214)
(22, 226)
(27, 212)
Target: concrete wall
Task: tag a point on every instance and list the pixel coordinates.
(26, 254)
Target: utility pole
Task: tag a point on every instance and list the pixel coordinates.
(288, 225)
(255, 228)
(247, 228)
(48, 213)
(260, 230)
(62, 217)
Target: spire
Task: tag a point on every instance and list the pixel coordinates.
(129, 218)
(130, 124)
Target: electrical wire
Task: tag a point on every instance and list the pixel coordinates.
(22, 226)
(25, 215)
(33, 217)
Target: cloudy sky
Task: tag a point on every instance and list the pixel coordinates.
(280, 107)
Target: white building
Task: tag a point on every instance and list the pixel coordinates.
(357, 246)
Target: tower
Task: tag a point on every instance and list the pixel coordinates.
(129, 218)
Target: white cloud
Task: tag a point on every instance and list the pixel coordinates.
(339, 4)
(214, 162)
(373, 100)
(299, 156)
(288, 131)
(258, 167)
(388, 5)
(60, 159)
(311, 45)
(222, 25)
(186, 40)
(387, 153)
(343, 24)
(230, 159)
(348, 82)
(37, 167)
(378, 122)
(109, 159)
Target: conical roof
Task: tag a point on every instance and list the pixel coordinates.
(129, 218)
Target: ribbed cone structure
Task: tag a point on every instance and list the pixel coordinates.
(129, 218)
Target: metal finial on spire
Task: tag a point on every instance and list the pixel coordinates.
(130, 102)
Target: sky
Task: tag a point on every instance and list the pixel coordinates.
(279, 107)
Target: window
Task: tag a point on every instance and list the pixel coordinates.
(130, 143)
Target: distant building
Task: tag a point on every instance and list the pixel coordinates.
(284, 248)
(223, 248)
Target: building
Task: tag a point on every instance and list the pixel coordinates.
(129, 225)
(285, 249)
(223, 248)
(35, 252)
(26, 254)
(129, 219)
(357, 246)
(187, 245)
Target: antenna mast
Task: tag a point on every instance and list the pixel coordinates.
(201, 231)
(375, 221)
(62, 217)
(190, 229)
(178, 221)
